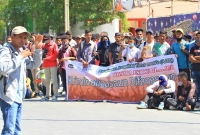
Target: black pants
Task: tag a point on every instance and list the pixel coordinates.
(63, 77)
(187, 70)
(163, 99)
(58, 74)
(179, 105)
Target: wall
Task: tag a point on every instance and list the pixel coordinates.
(111, 28)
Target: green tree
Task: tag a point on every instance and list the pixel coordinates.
(49, 14)
(94, 12)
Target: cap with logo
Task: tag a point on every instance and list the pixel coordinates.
(18, 30)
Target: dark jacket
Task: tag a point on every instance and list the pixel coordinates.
(103, 53)
(187, 93)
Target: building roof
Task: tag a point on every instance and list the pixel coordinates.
(161, 9)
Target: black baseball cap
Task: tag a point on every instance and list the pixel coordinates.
(46, 37)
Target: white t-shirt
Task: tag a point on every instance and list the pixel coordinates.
(148, 48)
(146, 44)
(131, 53)
(72, 43)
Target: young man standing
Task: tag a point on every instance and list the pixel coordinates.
(87, 50)
(139, 38)
(115, 48)
(13, 63)
(161, 48)
(50, 64)
(65, 53)
(192, 43)
(148, 45)
(181, 49)
(131, 52)
(71, 41)
(194, 58)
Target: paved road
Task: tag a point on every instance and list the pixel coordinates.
(88, 118)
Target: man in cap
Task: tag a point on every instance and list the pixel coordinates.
(78, 42)
(13, 64)
(115, 49)
(181, 49)
(194, 58)
(82, 37)
(147, 46)
(157, 93)
(71, 41)
(50, 54)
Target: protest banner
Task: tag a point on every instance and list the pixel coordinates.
(122, 82)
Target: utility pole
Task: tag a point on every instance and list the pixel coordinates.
(67, 15)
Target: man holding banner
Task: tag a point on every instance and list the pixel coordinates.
(158, 93)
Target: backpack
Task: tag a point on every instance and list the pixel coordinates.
(4, 77)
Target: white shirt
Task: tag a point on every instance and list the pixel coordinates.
(170, 88)
(148, 48)
(146, 44)
(131, 53)
(72, 43)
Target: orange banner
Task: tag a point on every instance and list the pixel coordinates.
(122, 82)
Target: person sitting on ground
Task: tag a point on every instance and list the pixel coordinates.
(185, 94)
(29, 92)
(158, 93)
(130, 52)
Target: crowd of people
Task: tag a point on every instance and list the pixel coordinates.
(97, 49)
(42, 58)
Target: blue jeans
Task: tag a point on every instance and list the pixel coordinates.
(196, 80)
(12, 118)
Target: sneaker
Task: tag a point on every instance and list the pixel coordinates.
(142, 105)
(44, 99)
(54, 99)
(161, 106)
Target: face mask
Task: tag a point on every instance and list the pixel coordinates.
(130, 45)
(105, 43)
(139, 39)
(178, 39)
(9, 41)
(180, 83)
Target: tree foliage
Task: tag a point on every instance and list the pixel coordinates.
(49, 14)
